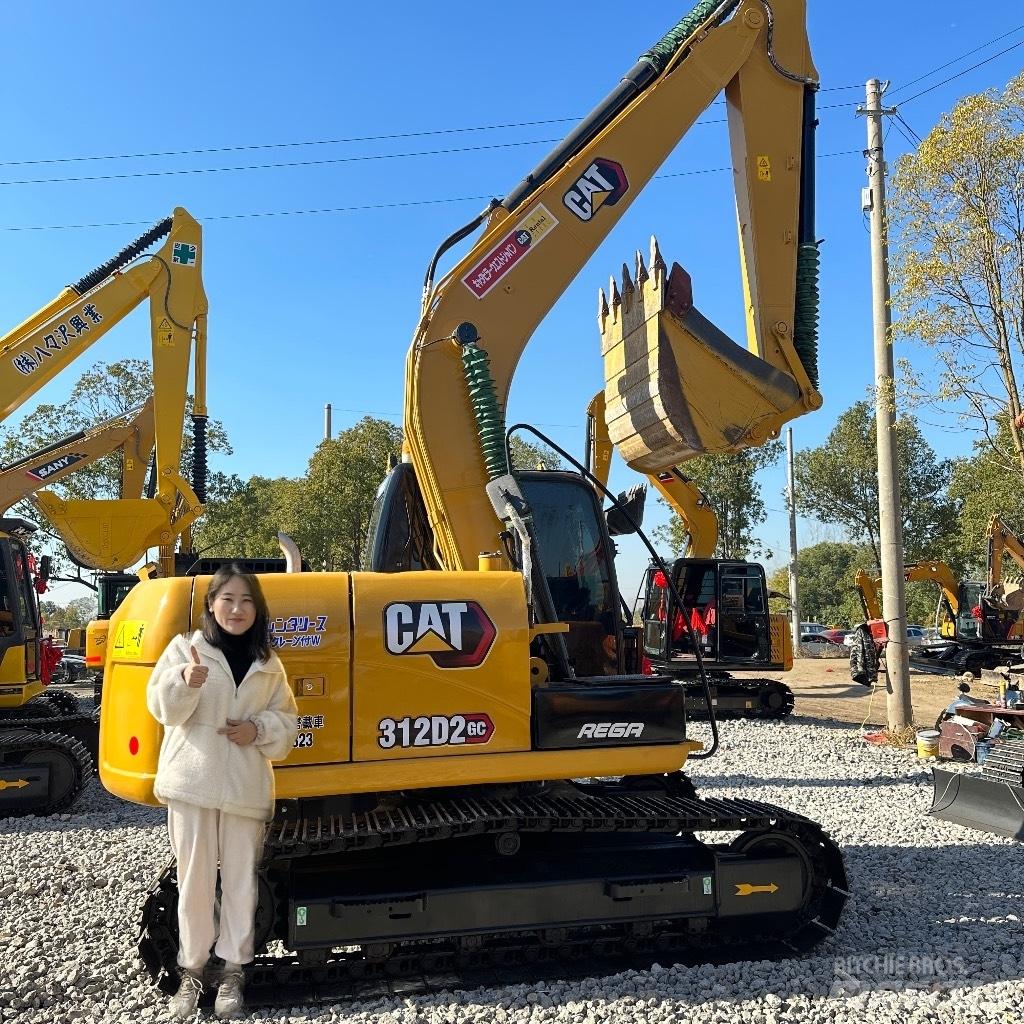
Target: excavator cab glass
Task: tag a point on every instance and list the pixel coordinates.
(577, 559)
(726, 604)
(398, 538)
(113, 589)
(19, 611)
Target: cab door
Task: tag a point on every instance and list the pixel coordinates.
(744, 630)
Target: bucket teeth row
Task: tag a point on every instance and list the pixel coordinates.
(622, 294)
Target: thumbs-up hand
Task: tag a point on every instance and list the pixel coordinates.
(195, 672)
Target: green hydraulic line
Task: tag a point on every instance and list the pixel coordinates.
(662, 51)
(805, 321)
(489, 416)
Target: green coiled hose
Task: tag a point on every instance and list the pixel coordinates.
(490, 418)
(805, 326)
(661, 53)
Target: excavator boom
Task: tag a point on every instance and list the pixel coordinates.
(112, 534)
(484, 311)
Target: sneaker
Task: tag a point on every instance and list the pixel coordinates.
(230, 1002)
(185, 1002)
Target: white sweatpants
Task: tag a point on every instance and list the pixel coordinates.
(200, 838)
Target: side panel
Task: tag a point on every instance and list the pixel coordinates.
(441, 665)
(309, 629)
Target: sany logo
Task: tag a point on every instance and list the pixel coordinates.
(455, 634)
(603, 183)
(47, 469)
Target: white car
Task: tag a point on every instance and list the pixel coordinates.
(811, 627)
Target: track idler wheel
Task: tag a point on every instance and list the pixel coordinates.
(67, 768)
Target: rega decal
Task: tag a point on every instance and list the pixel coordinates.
(434, 730)
(453, 634)
(610, 730)
(603, 183)
(46, 469)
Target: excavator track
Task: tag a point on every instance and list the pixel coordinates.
(506, 853)
(741, 698)
(41, 772)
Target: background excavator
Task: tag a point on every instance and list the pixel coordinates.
(483, 775)
(47, 744)
(734, 642)
(980, 623)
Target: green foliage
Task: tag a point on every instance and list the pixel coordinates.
(984, 485)
(326, 511)
(827, 590)
(75, 615)
(957, 212)
(730, 484)
(838, 483)
(532, 455)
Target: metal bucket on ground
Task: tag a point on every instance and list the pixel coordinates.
(928, 743)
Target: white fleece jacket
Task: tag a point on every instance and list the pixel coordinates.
(197, 765)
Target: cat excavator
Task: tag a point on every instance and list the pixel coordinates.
(483, 776)
(47, 744)
(702, 578)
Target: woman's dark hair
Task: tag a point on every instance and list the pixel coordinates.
(257, 637)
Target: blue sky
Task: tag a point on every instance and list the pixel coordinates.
(313, 308)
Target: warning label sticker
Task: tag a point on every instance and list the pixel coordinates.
(515, 246)
(128, 639)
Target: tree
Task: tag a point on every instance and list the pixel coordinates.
(245, 520)
(827, 590)
(838, 483)
(75, 615)
(983, 486)
(957, 211)
(730, 484)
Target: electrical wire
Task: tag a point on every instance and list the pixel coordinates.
(956, 60)
(200, 151)
(960, 74)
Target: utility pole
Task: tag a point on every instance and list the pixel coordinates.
(794, 585)
(894, 607)
(327, 422)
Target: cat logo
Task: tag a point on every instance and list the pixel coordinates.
(603, 183)
(454, 634)
(47, 469)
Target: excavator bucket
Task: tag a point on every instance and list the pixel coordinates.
(990, 802)
(676, 387)
(106, 534)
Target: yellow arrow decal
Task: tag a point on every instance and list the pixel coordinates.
(17, 784)
(746, 889)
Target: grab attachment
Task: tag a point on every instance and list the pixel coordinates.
(676, 387)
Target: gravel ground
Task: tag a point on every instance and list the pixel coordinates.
(932, 932)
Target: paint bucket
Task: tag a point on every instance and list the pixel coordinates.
(928, 743)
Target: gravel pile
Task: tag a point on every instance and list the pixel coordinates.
(932, 932)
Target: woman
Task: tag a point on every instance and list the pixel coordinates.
(223, 699)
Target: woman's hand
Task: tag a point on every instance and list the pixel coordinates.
(242, 733)
(195, 672)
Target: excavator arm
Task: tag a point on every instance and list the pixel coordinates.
(478, 318)
(115, 533)
(684, 497)
(868, 586)
(1001, 539)
(941, 575)
(133, 433)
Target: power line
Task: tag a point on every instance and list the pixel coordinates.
(960, 74)
(334, 142)
(353, 209)
(956, 60)
(358, 158)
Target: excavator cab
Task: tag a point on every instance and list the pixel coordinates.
(21, 669)
(726, 605)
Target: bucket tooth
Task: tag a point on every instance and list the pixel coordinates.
(641, 270)
(676, 387)
(657, 262)
(628, 289)
(613, 291)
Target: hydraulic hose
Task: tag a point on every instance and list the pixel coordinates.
(124, 257)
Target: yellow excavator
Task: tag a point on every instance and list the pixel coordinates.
(980, 623)
(702, 577)
(483, 776)
(47, 745)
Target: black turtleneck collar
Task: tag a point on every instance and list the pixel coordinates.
(236, 650)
